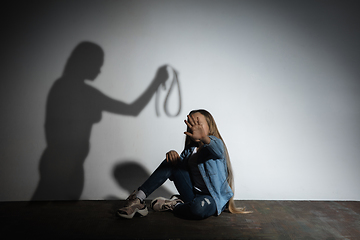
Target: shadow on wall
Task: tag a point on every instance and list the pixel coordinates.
(72, 108)
(130, 175)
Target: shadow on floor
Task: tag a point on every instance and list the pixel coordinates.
(130, 175)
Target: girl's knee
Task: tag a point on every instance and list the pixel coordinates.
(203, 208)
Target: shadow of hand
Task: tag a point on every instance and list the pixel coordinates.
(162, 76)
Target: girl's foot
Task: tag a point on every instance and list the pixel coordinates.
(163, 204)
(132, 206)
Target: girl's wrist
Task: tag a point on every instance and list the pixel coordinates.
(205, 140)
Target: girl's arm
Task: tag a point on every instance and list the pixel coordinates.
(215, 147)
(173, 157)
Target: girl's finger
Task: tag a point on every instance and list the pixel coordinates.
(173, 156)
(188, 134)
(188, 124)
(197, 121)
(191, 120)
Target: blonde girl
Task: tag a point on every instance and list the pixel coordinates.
(202, 174)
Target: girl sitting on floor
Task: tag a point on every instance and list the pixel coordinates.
(202, 175)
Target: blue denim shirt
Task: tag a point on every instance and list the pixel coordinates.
(213, 168)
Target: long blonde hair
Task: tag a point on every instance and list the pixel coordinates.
(213, 130)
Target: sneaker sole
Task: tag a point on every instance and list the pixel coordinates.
(142, 213)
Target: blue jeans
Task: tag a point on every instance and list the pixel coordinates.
(196, 205)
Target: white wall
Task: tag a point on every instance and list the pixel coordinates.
(280, 78)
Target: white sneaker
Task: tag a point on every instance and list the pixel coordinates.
(133, 206)
(160, 204)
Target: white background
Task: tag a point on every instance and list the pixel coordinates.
(280, 78)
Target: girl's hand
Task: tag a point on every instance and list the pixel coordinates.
(197, 131)
(172, 156)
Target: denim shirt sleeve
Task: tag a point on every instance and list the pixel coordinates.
(215, 147)
(185, 154)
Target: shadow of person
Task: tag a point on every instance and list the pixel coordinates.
(72, 108)
(130, 175)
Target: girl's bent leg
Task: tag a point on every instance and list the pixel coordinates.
(177, 173)
(202, 206)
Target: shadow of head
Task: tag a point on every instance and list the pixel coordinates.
(85, 61)
(131, 175)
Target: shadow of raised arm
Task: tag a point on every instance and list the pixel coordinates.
(134, 108)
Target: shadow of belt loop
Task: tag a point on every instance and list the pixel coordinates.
(175, 81)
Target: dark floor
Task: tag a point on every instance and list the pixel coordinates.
(97, 220)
